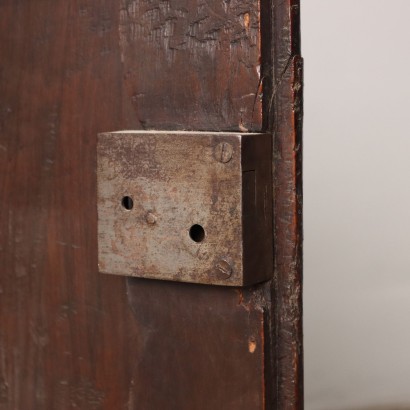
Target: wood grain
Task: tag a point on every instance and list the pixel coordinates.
(201, 347)
(66, 333)
(73, 338)
(192, 64)
(285, 118)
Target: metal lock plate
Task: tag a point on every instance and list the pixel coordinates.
(185, 206)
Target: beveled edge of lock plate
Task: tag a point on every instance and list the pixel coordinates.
(187, 133)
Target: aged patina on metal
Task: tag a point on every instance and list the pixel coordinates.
(185, 206)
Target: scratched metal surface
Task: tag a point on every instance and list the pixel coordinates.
(219, 181)
(176, 178)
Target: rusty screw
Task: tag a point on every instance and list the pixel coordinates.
(223, 152)
(223, 268)
(150, 218)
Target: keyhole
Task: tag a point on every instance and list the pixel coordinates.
(127, 203)
(197, 233)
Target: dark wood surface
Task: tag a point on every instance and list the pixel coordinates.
(202, 347)
(286, 115)
(72, 338)
(67, 334)
(192, 65)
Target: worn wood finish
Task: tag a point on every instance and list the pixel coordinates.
(285, 118)
(201, 347)
(192, 64)
(67, 335)
(69, 338)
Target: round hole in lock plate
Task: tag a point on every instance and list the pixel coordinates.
(127, 203)
(197, 233)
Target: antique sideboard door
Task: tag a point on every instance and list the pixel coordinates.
(91, 315)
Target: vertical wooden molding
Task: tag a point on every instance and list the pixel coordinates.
(285, 112)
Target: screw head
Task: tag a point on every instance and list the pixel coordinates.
(223, 268)
(223, 152)
(150, 218)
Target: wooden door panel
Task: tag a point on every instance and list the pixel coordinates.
(192, 65)
(202, 348)
(73, 338)
(66, 332)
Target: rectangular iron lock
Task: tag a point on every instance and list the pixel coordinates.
(186, 206)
